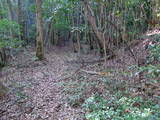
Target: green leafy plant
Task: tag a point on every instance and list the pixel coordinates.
(73, 91)
(152, 67)
(9, 31)
(21, 95)
(154, 52)
(152, 70)
(98, 108)
(153, 60)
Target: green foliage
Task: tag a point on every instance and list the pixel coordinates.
(98, 108)
(135, 22)
(21, 95)
(57, 12)
(9, 32)
(153, 60)
(152, 67)
(9, 29)
(154, 51)
(74, 91)
(3, 12)
(152, 70)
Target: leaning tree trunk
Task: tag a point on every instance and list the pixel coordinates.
(99, 34)
(39, 38)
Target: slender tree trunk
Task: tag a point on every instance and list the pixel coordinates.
(3, 89)
(3, 57)
(39, 38)
(47, 39)
(92, 20)
(78, 33)
(21, 20)
(78, 42)
(11, 14)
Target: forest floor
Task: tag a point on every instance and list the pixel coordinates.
(34, 94)
(36, 88)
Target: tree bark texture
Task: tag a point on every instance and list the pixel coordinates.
(39, 38)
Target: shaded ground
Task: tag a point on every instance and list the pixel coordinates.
(34, 90)
(34, 94)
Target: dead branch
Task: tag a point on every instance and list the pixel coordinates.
(97, 73)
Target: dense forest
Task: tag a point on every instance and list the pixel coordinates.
(79, 59)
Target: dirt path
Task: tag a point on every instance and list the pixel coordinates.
(34, 94)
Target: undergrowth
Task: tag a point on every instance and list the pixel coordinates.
(125, 108)
(110, 99)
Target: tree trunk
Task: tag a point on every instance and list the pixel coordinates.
(39, 38)
(3, 56)
(21, 20)
(99, 34)
(11, 14)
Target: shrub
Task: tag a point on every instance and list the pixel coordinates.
(9, 33)
(98, 108)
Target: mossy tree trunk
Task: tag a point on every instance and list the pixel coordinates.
(39, 38)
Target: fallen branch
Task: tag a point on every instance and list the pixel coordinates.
(97, 73)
